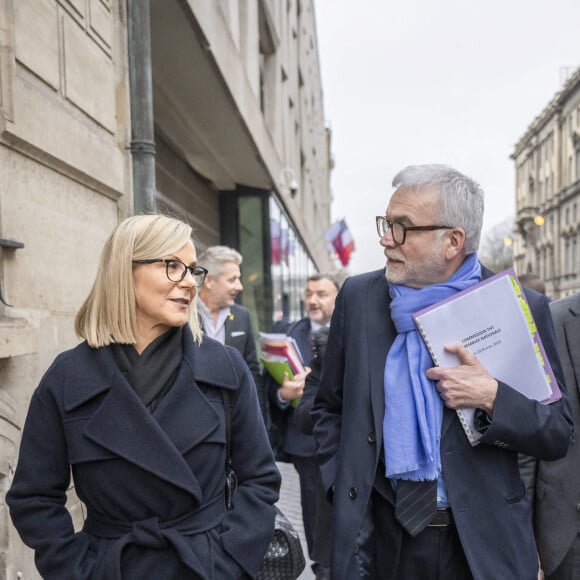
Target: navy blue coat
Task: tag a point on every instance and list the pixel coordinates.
(294, 441)
(557, 484)
(152, 484)
(239, 334)
(484, 488)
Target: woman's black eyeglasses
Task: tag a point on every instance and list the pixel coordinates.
(176, 270)
(399, 231)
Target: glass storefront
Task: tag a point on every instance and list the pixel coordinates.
(276, 263)
(290, 266)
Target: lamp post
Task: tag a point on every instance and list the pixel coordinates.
(539, 220)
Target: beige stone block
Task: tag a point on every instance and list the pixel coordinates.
(9, 433)
(17, 338)
(64, 226)
(74, 140)
(78, 5)
(101, 21)
(89, 76)
(36, 38)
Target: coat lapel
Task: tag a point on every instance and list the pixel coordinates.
(301, 334)
(231, 325)
(448, 416)
(381, 333)
(186, 415)
(572, 336)
(122, 424)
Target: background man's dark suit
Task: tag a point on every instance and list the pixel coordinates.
(291, 440)
(300, 449)
(483, 483)
(558, 482)
(240, 335)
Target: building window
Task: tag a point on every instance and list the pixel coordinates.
(290, 266)
(543, 265)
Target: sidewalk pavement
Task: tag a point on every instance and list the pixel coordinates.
(290, 504)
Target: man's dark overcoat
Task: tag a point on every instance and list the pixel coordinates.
(558, 482)
(289, 436)
(152, 484)
(484, 488)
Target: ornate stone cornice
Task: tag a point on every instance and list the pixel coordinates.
(552, 109)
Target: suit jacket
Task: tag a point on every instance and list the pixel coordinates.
(289, 436)
(152, 483)
(304, 419)
(240, 335)
(484, 488)
(558, 482)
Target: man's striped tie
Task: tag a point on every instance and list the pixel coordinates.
(415, 504)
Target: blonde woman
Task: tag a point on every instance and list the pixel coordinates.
(136, 413)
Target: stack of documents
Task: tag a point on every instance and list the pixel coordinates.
(280, 354)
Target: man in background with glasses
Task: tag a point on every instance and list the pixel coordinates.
(412, 499)
(222, 319)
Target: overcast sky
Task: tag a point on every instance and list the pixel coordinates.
(445, 81)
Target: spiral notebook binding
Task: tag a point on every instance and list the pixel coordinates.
(471, 436)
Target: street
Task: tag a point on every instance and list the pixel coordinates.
(290, 504)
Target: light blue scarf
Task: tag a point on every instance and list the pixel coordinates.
(414, 409)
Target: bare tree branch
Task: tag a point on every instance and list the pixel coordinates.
(496, 249)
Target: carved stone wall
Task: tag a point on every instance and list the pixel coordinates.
(64, 182)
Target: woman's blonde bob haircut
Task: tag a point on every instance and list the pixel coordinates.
(108, 315)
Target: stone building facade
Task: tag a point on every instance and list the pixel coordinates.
(211, 110)
(547, 162)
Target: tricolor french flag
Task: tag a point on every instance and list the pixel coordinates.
(341, 240)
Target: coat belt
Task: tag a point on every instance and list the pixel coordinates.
(159, 534)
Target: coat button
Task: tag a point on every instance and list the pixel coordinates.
(578, 507)
(352, 493)
(372, 437)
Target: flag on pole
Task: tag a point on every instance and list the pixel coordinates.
(284, 245)
(275, 241)
(341, 240)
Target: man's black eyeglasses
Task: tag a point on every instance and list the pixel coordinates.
(176, 270)
(399, 231)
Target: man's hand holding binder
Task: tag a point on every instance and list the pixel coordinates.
(466, 385)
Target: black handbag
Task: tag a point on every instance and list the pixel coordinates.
(284, 558)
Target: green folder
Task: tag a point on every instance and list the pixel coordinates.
(277, 368)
